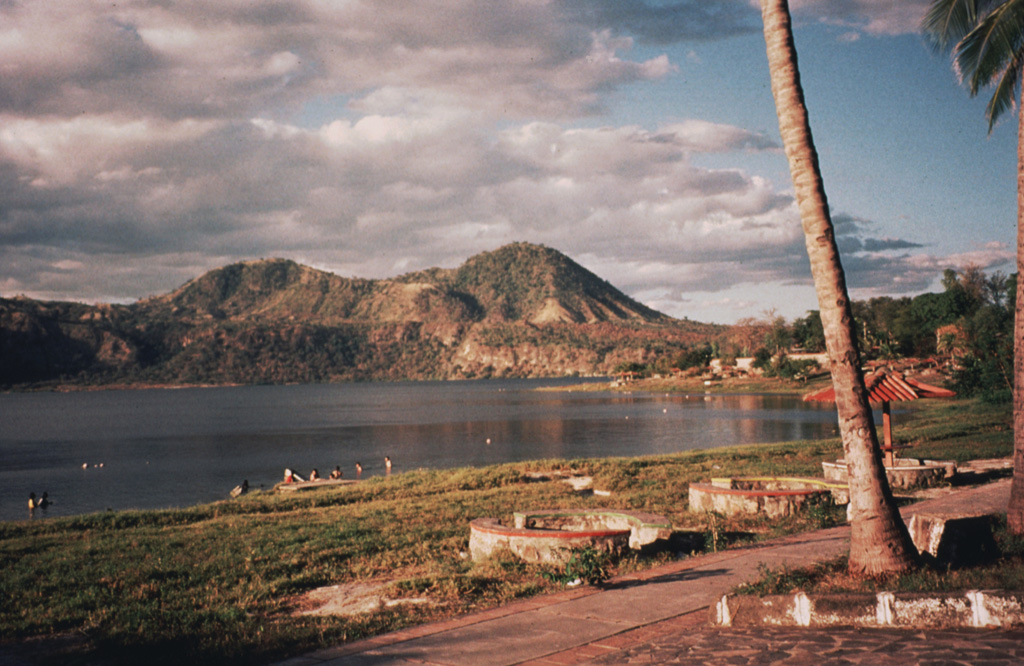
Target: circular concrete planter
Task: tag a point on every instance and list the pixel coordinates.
(775, 497)
(905, 474)
(551, 536)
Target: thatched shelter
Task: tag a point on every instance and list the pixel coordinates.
(886, 386)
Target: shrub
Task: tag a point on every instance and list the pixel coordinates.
(588, 565)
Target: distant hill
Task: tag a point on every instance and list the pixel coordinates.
(539, 285)
(523, 310)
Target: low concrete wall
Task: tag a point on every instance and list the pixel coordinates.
(906, 474)
(776, 497)
(821, 358)
(979, 609)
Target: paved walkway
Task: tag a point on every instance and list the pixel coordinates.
(660, 616)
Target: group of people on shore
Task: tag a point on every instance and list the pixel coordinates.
(38, 502)
(292, 477)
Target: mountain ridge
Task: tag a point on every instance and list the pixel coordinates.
(521, 310)
(517, 281)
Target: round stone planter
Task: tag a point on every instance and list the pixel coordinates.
(776, 497)
(905, 474)
(551, 536)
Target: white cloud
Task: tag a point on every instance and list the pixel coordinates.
(157, 140)
(224, 59)
(878, 17)
(66, 150)
(707, 137)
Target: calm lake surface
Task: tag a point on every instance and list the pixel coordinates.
(170, 448)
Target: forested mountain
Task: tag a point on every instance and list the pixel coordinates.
(523, 310)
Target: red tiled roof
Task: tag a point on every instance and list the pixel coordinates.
(887, 386)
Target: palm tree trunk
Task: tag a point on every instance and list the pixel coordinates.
(879, 541)
(1015, 510)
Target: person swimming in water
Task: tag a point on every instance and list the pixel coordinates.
(359, 470)
(387, 464)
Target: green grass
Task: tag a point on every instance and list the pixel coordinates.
(217, 583)
(957, 430)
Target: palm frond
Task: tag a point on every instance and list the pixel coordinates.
(985, 49)
(947, 21)
(991, 54)
(987, 41)
(1004, 97)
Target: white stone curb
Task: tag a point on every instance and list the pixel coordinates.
(974, 608)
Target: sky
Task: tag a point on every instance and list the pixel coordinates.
(143, 143)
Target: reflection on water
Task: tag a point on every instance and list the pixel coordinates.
(166, 448)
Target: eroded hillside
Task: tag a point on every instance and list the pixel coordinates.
(523, 310)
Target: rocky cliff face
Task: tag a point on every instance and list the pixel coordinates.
(523, 310)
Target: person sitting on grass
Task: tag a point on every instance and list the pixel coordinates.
(336, 474)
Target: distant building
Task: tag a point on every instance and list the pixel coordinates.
(821, 358)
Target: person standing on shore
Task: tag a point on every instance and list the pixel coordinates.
(387, 464)
(32, 501)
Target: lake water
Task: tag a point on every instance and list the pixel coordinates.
(169, 448)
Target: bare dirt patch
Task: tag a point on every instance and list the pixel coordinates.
(351, 599)
(582, 485)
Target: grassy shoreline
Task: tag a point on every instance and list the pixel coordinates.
(218, 583)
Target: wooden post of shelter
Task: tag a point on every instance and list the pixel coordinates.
(888, 451)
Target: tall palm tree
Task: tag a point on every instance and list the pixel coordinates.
(987, 41)
(879, 541)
